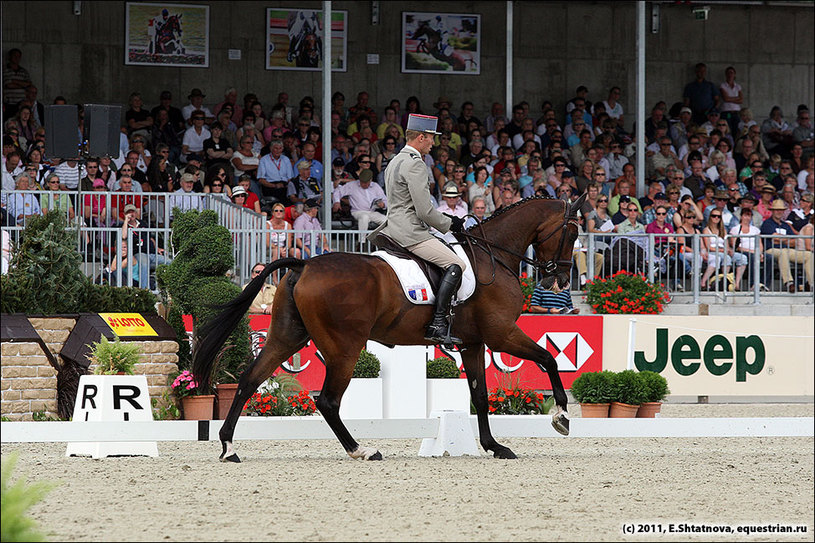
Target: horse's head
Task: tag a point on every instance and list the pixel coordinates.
(174, 23)
(554, 242)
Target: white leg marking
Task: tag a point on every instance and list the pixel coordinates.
(362, 452)
(229, 450)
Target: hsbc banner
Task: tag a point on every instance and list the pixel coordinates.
(575, 342)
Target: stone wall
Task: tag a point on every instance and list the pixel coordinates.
(29, 382)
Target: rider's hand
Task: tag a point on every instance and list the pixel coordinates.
(456, 223)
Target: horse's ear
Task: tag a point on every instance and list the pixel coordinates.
(578, 204)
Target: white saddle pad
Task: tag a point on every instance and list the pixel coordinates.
(415, 284)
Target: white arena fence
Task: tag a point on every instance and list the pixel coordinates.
(663, 262)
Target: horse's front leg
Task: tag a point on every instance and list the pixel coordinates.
(473, 358)
(517, 343)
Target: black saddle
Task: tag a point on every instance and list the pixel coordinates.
(433, 272)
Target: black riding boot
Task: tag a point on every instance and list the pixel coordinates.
(438, 331)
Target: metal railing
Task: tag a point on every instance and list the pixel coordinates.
(677, 263)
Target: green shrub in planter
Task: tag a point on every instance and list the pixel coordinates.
(629, 388)
(594, 387)
(114, 357)
(367, 365)
(442, 368)
(655, 385)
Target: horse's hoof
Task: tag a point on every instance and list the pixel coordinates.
(504, 453)
(560, 423)
(231, 458)
(376, 456)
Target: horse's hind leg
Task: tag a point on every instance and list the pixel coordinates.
(473, 358)
(517, 343)
(271, 357)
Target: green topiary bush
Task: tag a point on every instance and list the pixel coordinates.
(594, 387)
(629, 388)
(442, 368)
(368, 365)
(196, 282)
(655, 385)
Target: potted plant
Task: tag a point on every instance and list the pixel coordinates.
(446, 390)
(626, 292)
(629, 392)
(114, 357)
(656, 389)
(593, 391)
(196, 404)
(363, 397)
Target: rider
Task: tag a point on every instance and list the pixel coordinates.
(154, 28)
(305, 22)
(443, 46)
(410, 214)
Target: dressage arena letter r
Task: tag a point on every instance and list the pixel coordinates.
(89, 393)
(130, 397)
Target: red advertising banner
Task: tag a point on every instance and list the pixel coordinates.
(575, 342)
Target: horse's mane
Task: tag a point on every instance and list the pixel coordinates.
(503, 210)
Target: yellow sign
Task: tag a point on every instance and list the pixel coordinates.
(128, 324)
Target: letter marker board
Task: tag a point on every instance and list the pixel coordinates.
(112, 398)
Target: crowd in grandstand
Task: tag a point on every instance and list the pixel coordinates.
(712, 167)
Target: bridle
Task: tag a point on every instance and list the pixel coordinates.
(548, 268)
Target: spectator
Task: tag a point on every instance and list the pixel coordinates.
(720, 253)
(660, 161)
(53, 200)
(147, 252)
(195, 136)
(732, 99)
(700, 94)
(623, 189)
(139, 120)
(69, 174)
(744, 240)
(129, 266)
(217, 182)
(196, 98)
(479, 212)
(803, 251)
(452, 204)
(138, 145)
(159, 176)
(216, 149)
(280, 238)
(803, 134)
(304, 186)
(550, 302)
(174, 115)
(125, 195)
(15, 80)
(274, 172)
(776, 133)
(800, 216)
(778, 246)
(697, 180)
(184, 198)
(720, 201)
(262, 304)
(311, 243)
(21, 207)
(339, 175)
(683, 128)
(95, 205)
(365, 199)
(599, 222)
(231, 101)
(768, 195)
(748, 202)
(614, 108)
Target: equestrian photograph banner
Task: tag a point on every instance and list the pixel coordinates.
(294, 39)
(441, 42)
(167, 35)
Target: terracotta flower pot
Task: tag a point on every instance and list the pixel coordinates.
(198, 407)
(620, 410)
(225, 393)
(648, 410)
(594, 410)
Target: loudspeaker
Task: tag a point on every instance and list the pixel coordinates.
(102, 128)
(61, 132)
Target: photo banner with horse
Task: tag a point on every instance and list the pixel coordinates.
(167, 35)
(294, 39)
(441, 42)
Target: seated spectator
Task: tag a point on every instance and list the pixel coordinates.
(623, 189)
(804, 251)
(800, 216)
(599, 222)
(768, 195)
(304, 186)
(22, 207)
(216, 148)
(305, 238)
(720, 254)
(720, 200)
(262, 304)
(55, 200)
(195, 136)
(280, 238)
(365, 198)
(452, 203)
(129, 266)
(661, 225)
(217, 182)
(744, 240)
(655, 168)
(778, 246)
(184, 198)
(95, 205)
(479, 212)
(125, 195)
(552, 303)
(776, 133)
(147, 252)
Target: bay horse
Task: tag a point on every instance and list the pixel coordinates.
(340, 300)
(168, 41)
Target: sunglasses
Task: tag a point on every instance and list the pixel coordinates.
(278, 210)
(715, 216)
(364, 161)
(217, 184)
(602, 200)
(663, 213)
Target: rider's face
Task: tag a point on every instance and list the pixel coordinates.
(424, 143)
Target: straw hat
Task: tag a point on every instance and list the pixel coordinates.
(778, 205)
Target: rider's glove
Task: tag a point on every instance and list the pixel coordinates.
(456, 224)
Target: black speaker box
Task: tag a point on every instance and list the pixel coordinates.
(102, 128)
(61, 132)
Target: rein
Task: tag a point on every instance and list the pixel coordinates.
(549, 267)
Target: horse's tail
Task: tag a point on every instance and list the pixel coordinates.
(215, 332)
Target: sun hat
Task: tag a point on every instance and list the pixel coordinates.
(450, 191)
(720, 194)
(237, 191)
(778, 205)
(685, 110)
(443, 100)
(768, 188)
(196, 92)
